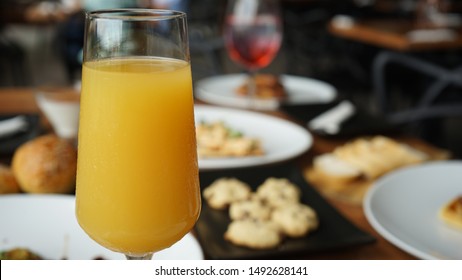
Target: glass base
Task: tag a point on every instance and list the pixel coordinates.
(142, 257)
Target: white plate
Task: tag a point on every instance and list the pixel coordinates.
(281, 139)
(46, 225)
(403, 207)
(220, 90)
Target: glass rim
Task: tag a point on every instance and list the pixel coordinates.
(135, 14)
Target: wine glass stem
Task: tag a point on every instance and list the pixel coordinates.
(143, 257)
(252, 88)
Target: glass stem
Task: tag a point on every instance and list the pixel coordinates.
(252, 88)
(142, 257)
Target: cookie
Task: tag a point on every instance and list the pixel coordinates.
(295, 220)
(224, 191)
(253, 208)
(277, 192)
(253, 234)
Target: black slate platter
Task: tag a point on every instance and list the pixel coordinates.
(334, 233)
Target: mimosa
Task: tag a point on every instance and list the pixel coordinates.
(137, 186)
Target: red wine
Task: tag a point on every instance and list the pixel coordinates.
(253, 43)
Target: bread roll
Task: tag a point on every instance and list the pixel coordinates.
(46, 164)
(8, 183)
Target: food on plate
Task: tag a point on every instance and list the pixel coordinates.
(8, 183)
(224, 191)
(295, 219)
(216, 139)
(46, 164)
(19, 254)
(261, 219)
(255, 234)
(267, 86)
(347, 172)
(451, 213)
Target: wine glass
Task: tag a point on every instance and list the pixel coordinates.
(137, 172)
(253, 35)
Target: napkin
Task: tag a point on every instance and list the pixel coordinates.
(431, 35)
(343, 21)
(329, 122)
(13, 125)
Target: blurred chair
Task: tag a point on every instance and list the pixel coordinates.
(431, 103)
(205, 44)
(12, 59)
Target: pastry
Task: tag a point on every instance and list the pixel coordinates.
(451, 213)
(347, 172)
(336, 171)
(378, 155)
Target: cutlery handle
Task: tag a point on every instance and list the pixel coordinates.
(331, 120)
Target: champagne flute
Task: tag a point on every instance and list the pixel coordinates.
(137, 173)
(253, 35)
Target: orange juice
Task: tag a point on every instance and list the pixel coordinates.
(137, 178)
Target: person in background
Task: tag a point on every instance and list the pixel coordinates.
(178, 5)
(91, 5)
(70, 33)
(12, 55)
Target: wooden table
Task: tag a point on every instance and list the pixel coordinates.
(393, 34)
(21, 100)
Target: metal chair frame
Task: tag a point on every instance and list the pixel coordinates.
(425, 107)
